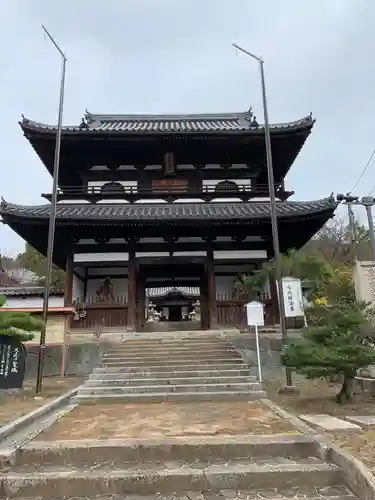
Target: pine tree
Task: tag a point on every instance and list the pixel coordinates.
(334, 345)
(19, 326)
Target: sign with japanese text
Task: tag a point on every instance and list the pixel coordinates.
(12, 363)
(293, 298)
(255, 313)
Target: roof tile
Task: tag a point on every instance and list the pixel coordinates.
(176, 211)
(198, 123)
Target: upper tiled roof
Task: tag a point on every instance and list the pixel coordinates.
(177, 211)
(169, 124)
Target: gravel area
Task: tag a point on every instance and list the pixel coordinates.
(157, 420)
(15, 404)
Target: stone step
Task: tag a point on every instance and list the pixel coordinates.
(171, 344)
(179, 372)
(181, 367)
(119, 452)
(185, 397)
(176, 347)
(186, 361)
(170, 352)
(146, 388)
(339, 492)
(173, 357)
(166, 478)
(111, 380)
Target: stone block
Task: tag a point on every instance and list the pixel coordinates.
(329, 423)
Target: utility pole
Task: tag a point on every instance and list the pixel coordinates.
(368, 202)
(52, 220)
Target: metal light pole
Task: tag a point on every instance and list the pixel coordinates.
(52, 220)
(271, 189)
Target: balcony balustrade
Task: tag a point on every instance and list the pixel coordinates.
(170, 193)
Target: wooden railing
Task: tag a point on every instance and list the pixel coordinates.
(169, 192)
(233, 313)
(102, 316)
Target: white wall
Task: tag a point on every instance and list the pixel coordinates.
(224, 287)
(97, 277)
(19, 302)
(78, 288)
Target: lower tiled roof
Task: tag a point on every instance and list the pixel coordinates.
(161, 291)
(28, 291)
(175, 211)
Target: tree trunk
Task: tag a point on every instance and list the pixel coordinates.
(347, 390)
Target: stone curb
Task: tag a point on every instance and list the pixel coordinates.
(8, 429)
(359, 477)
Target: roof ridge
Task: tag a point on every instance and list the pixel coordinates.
(168, 123)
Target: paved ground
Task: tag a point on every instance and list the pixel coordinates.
(155, 420)
(14, 405)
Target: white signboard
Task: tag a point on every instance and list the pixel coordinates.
(293, 298)
(255, 313)
(364, 281)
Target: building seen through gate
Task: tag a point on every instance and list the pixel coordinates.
(163, 212)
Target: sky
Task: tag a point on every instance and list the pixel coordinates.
(166, 56)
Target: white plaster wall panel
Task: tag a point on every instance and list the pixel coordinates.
(239, 254)
(197, 253)
(188, 200)
(364, 281)
(189, 239)
(152, 254)
(78, 288)
(73, 202)
(105, 271)
(125, 184)
(145, 202)
(102, 257)
(120, 288)
(267, 288)
(20, 303)
(151, 240)
(211, 184)
(224, 287)
(111, 202)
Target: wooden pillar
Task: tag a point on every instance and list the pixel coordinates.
(212, 309)
(132, 291)
(68, 289)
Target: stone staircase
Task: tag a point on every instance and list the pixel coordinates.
(203, 468)
(180, 369)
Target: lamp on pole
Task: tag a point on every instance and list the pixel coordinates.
(52, 219)
(271, 189)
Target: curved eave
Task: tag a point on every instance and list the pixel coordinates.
(113, 214)
(35, 129)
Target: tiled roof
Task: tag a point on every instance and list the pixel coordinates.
(27, 291)
(161, 291)
(168, 212)
(169, 124)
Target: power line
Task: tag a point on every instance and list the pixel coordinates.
(363, 173)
